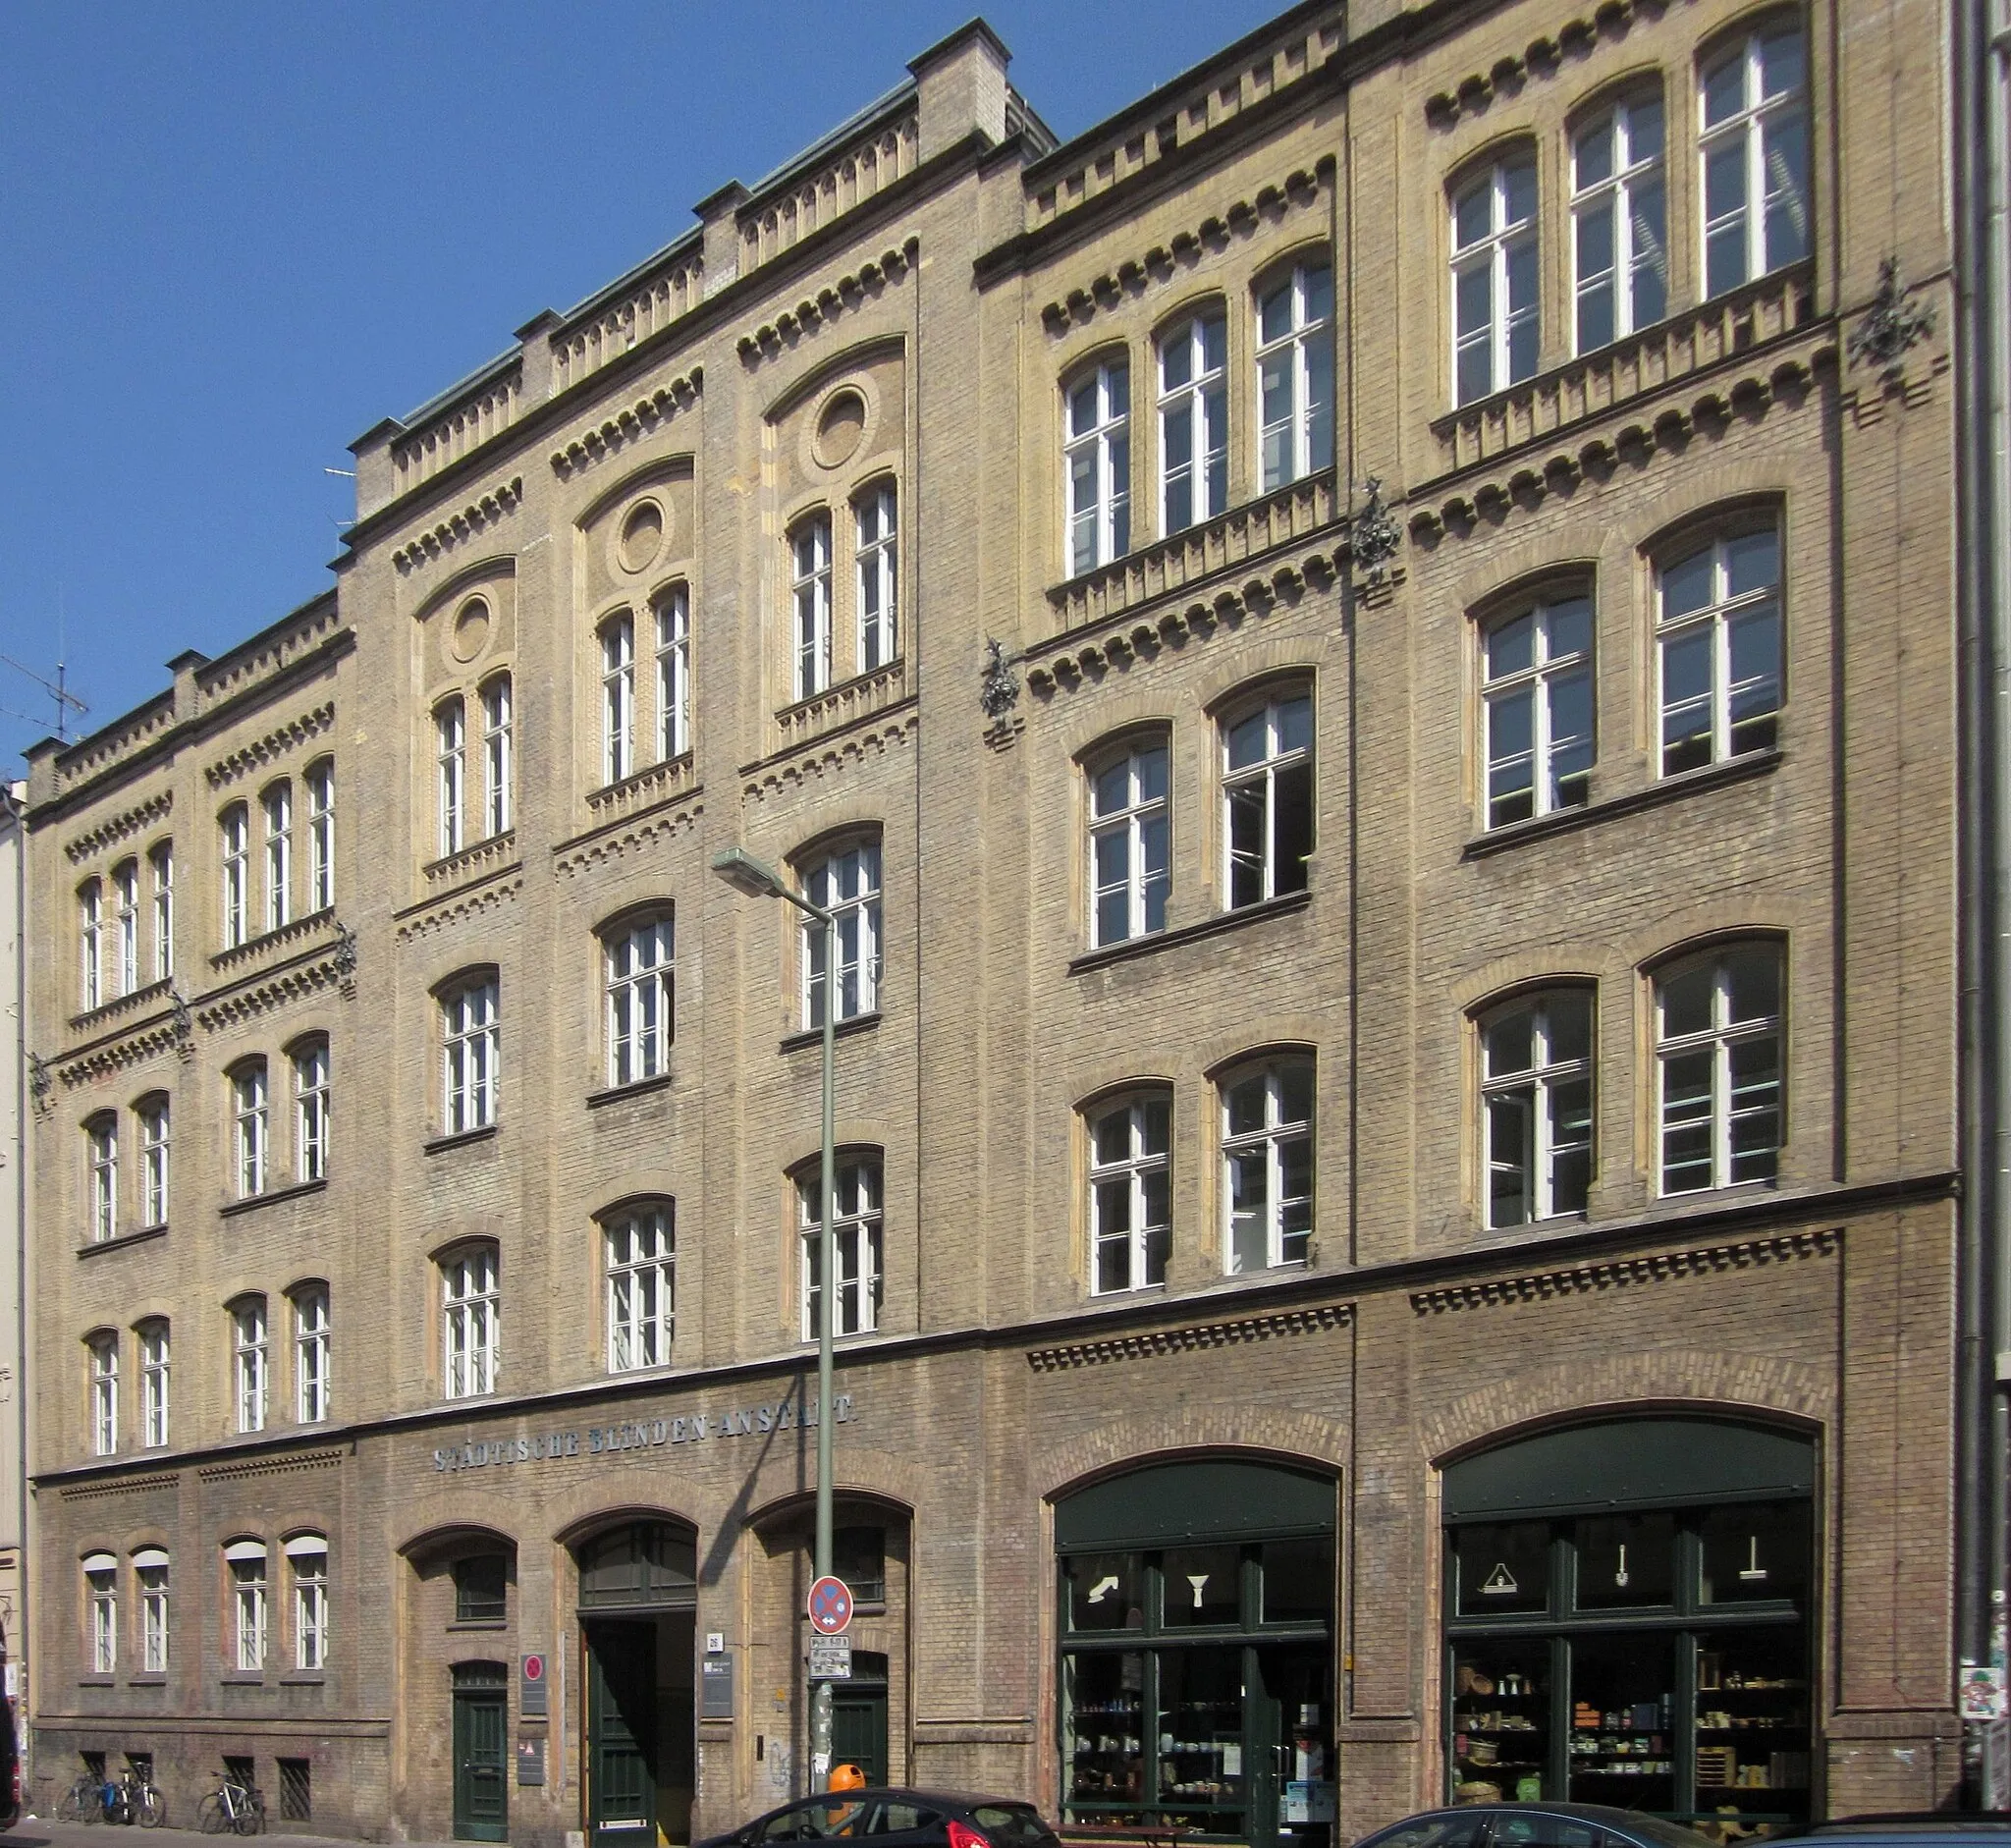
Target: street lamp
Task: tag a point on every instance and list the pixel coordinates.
(757, 879)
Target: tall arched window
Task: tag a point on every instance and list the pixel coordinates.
(234, 828)
(101, 1597)
(154, 1115)
(1620, 222)
(1194, 420)
(1130, 1191)
(1097, 457)
(101, 1139)
(1295, 373)
(103, 1350)
(498, 757)
(313, 1334)
(470, 1039)
(308, 1565)
(449, 756)
(470, 1322)
(245, 1562)
(126, 922)
(640, 1246)
(1267, 1159)
(1753, 152)
(876, 575)
(1718, 647)
(855, 1231)
(154, 1380)
(1535, 1100)
(321, 835)
(1537, 709)
(618, 697)
(1130, 840)
(150, 1571)
(310, 1110)
(250, 1127)
(1266, 793)
(1494, 323)
(844, 881)
(161, 863)
(638, 960)
(673, 671)
(91, 944)
(251, 1361)
(810, 603)
(1719, 1019)
(277, 804)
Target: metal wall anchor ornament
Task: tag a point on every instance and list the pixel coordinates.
(1891, 325)
(998, 686)
(1373, 535)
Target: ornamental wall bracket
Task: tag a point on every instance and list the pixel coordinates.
(185, 1023)
(344, 959)
(41, 1081)
(1373, 535)
(1891, 325)
(998, 684)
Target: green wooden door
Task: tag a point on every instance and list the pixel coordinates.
(858, 1729)
(481, 1753)
(621, 1733)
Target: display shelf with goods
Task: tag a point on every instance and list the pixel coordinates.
(1753, 1743)
(1500, 1713)
(1104, 1745)
(1621, 1743)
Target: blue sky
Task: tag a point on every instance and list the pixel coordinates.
(233, 236)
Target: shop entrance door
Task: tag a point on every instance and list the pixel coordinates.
(858, 1717)
(621, 1733)
(482, 1789)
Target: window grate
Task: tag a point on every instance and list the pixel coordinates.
(296, 1790)
(238, 1768)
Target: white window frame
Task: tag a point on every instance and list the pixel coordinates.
(156, 1127)
(858, 1223)
(1137, 833)
(1295, 377)
(673, 609)
(248, 1563)
(1554, 666)
(1728, 1103)
(156, 1356)
(1496, 251)
(809, 543)
(472, 1051)
(321, 835)
(251, 1128)
(1632, 195)
(152, 1573)
(1255, 786)
(846, 881)
(235, 825)
(162, 863)
(638, 963)
(1536, 1097)
(499, 756)
(1285, 1245)
(125, 921)
(311, 1353)
(640, 1246)
(470, 1322)
(1194, 406)
(1096, 466)
(250, 1362)
(1723, 615)
(876, 574)
(449, 752)
(1133, 1186)
(307, 1556)
(91, 944)
(102, 1137)
(617, 696)
(310, 1111)
(101, 1594)
(277, 808)
(1747, 131)
(104, 1393)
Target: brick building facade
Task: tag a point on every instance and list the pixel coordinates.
(1371, 675)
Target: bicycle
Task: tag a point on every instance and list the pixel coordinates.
(132, 1797)
(231, 1807)
(82, 1802)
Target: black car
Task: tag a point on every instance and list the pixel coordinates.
(1913, 1829)
(897, 1818)
(1534, 1826)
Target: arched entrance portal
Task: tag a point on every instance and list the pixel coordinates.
(639, 1597)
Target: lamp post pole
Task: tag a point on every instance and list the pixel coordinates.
(744, 873)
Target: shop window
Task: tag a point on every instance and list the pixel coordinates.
(481, 1588)
(1197, 1617)
(1700, 1711)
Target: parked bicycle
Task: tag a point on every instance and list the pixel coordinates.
(84, 1801)
(230, 1807)
(132, 1797)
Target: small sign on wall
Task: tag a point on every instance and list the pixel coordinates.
(716, 1688)
(533, 1700)
(530, 1760)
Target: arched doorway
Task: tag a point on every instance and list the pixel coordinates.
(1197, 1607)
(1628, 1615)
(638, 1601)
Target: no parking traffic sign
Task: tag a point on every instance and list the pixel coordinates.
(830, 1607)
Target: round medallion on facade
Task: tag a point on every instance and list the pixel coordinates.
(470, 633)
(840, 428)
(642, 537)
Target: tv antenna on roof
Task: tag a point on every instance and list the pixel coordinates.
(66, 703)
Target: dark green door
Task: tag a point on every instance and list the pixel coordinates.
(858, 1717)
(481, 1753)
(621, 1733)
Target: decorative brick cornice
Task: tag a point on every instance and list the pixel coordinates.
(272, 746)
(1543, 58)
(1624, 1273)
(630, 424)
(466, 904)
(888, 733)
(133, 1047)
(675, 815)
(140, 1002)
(271, 1465)
(270, 945)
(1133, 278)
(485, 857)
(119, 1486)
(1157, 1342)
(836, 297)
(455, 529)
(120, 826)
(662, 781)
(334, 969)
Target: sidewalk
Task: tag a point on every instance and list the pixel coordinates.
(46, 1832)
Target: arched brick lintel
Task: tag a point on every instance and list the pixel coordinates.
(1290, 1437)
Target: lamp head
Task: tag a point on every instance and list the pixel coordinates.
(744, 873)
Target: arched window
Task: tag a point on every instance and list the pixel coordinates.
(154, 1383)
(1266, 792)
(1097, 459)
(101, 1598)
(250, 1127)
(1753, 152)
(1536, 1104)
(618, 697)
(646, 1565)
(310, 1110)
(1130, 1191)
(234, 828)
(877, 575)
(161, 862)
(470, 1043)
(1620, 222)
(470, 1322)
(278, 807)
(1194, 420)
(844, 880)
(499, 761)
(150, 1570)
(855, 1231)
(1537, 709)
(1718, 647)
(245, 1562)
(154, 1115)
(101, 1140)
(810, 603)
(1495, 326)
(126, 919)
(251, 1361)
(321, 835)
(1267, 1159)
(90, 945)
(673, 609)
(1130, 831)
(307, 1564)
(640, 1246)
(103, 1350)
(1295, 373)
(637, 959)
(1721, 1081)
(313, 1334)
(450, 755)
